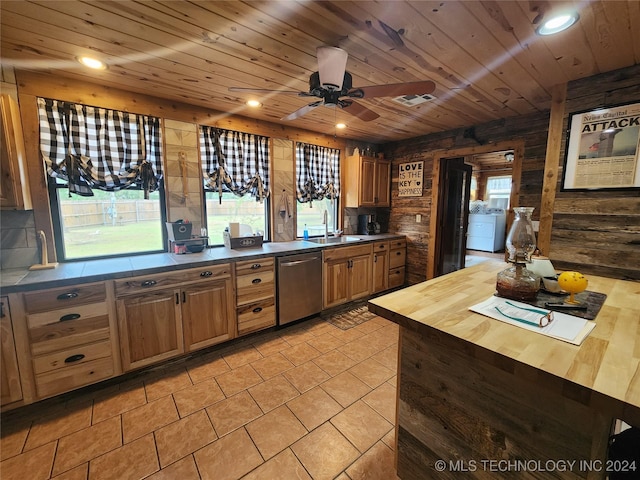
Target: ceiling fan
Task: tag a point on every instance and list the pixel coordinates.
(332, 82)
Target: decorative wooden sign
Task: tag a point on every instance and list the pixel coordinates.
(410, 179)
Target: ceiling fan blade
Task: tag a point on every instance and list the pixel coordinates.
(395, 89)
(302, 111)
(265, 90)
(357, 110)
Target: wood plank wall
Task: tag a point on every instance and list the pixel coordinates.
(531, 128)
(598, 232)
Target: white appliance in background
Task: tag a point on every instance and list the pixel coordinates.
(486, 232)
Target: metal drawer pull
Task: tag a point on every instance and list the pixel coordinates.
(148, 283)
(398, 253)
(70, 316)
(74, 358)
(67, 296)
(257, 310)
(381, 246)
(256, 280)
(255, 266)
(206, 273)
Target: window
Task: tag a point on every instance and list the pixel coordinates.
(235, 168)
(317, 188)
(498, 192)
(105, 180)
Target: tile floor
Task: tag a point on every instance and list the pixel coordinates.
(307, 401)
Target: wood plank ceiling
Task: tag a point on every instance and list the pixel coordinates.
(484, 56)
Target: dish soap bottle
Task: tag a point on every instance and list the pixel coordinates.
(305, 233)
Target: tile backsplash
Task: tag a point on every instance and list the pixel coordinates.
(18, 243)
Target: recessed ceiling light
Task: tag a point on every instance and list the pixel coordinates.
(341, 125)
(92, 63)
(254, 103)
(558, 23)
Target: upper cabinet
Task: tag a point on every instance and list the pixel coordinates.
(14, 187)
(367, 181)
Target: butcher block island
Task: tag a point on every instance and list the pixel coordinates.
(479, 398)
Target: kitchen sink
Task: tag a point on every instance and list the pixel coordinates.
(323, 240)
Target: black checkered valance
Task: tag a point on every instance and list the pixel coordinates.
(317, 172)
(91, 147)
(235, 162)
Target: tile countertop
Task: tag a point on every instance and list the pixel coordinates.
(16, 280)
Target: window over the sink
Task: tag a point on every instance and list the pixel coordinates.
(105, 180)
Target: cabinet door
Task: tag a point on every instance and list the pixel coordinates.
(382, 184)
(150, 328)
(367, 185)
(10, 388)
(14, 185)
(336, 283)
(360, 277)
(380, 271)
(207, 316)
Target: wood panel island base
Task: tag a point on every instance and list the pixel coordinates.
(479, 398)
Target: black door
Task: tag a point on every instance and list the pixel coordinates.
(455, 188)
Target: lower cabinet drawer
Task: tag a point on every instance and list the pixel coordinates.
(397, 258)
(256, 316)
(67, 334)
(396, 277)
(64, 379)
(73, 356)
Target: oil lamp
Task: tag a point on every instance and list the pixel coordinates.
(516, 282)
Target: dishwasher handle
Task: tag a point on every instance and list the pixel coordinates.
(298, 262)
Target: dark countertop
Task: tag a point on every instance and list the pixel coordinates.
(70, 273)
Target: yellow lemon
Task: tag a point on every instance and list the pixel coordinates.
(573, 282)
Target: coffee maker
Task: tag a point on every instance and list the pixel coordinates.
(367, 225)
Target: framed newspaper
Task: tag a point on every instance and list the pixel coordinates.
(602, 149)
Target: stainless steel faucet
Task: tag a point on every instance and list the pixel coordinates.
(326, 224)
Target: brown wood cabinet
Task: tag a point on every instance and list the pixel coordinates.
(10, 388)
(346, 274)
(14, 184)
(158, 322)
(367, 181)
(397, 261)
(380, 266)
(255, 295)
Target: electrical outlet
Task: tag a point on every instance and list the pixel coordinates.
(418, 218)
(280, 228)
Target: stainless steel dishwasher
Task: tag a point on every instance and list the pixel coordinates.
(299, 286)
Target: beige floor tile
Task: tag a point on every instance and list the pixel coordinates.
(270, 345)
(197, 397)
(167, 384)
(208, 367)
(325, 343)
(228, 458)
(372, 372)
(272, 365)
(296, 335)
(81, 472)
(368, 327)
(324, 452)
(388, 357)
(183, 437)
(87, 444)
(390, 439)
(345, 388)
(62, 423)
(273, 393)
(321, 327)
(334, 362)
(132, 461)
(342, 476)
(383, 338)
(238, 379)
(13, 439)
(306, 376)
(119, 402)
(36, 462)
(361, 425)
(242, 356)
(378, 463)
(234, 412)
(284, 466)
(300, 353)
(184, 469)
(148, 418)
(275, 431)
(314, 407)
(359, 350)
(383, 400)
(348, 335)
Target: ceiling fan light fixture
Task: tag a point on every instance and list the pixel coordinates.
(253, 103)
(341, 126)
(332, 63)
(92, 63)
(558, 23)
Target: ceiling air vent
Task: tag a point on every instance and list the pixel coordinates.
(413, 100)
